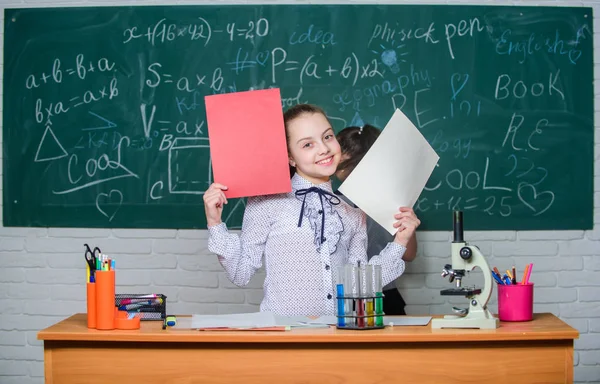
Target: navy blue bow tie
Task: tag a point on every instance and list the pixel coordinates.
(331, 198)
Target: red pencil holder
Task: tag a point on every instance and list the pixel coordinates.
(515, 302)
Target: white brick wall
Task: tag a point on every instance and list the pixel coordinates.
(41, 275)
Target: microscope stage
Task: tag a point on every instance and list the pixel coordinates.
(460, 291)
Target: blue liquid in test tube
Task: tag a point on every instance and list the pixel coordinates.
(340, 309)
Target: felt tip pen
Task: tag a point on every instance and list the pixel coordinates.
(528, 273)
(497, 278)
(142, 300)
(497, 271)
(171, 321)
(525, 274)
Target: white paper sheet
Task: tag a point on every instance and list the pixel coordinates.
(325, 320)
(405, 320)
(392, 173)
(297, 322)
(238, 320)
(258, 320)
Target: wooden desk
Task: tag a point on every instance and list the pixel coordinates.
(540, 351)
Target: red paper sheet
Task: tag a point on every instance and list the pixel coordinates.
(247, 142)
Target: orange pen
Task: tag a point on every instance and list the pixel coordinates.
(525, 275)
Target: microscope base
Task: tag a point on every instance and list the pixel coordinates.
(451, 321)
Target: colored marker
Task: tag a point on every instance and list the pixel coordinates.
(171, 321)
(497, 278)
(497, 271)
(528, 273)
(525, 275)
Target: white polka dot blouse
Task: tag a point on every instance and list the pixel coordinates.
(301, 237)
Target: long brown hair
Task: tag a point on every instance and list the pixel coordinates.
(293, 113)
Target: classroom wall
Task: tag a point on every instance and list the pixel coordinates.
(42, 272)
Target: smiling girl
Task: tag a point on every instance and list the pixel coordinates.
(302, 235)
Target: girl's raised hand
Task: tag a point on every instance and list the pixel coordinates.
(214, 198)
(407, 225)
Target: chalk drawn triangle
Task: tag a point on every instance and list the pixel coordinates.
(357, 121)
(53, 147)
(109, 124)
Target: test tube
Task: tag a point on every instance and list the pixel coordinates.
(369, 301)
(362, 293)
(378, 295)
(351, 291)
(341, 320)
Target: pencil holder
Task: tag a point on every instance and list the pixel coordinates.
(359, 298)
(515, 302)
(127, 323)
(105, 300)
(151, 306)
(91, 305)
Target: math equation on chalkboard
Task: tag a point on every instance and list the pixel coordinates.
(104, 121)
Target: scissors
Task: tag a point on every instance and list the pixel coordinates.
(91, 256)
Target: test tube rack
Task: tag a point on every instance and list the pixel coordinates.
(359, 297)
(367, 313)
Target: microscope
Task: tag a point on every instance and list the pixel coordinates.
(466, 257)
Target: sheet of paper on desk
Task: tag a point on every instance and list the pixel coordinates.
(392, 173)
(183, 323)
(247, 142)
(298, 322)
(238, 320)
(327, 320)
(406, 320)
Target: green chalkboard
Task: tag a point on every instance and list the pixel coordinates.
(104, 121)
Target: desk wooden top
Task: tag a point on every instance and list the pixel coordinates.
(544, 326)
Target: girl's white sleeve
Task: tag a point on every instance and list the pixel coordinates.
(390, 258)
(241, 255)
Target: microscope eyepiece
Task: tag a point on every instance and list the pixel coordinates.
(458, 227)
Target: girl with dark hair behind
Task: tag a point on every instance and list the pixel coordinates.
(355, 142)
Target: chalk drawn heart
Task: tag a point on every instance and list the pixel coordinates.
(262, 57)
(458, 78)
(523, 187)
(110, 201)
